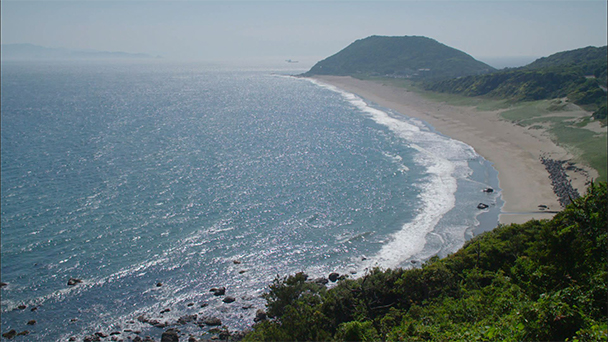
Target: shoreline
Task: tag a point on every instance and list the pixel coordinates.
(514, 151)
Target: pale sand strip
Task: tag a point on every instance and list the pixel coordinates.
(513, 149)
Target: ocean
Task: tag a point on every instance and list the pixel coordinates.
(195, 176)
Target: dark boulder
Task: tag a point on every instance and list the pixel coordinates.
(165, 311)
(32, 322)
(321, 281)
(224, 335)
(488, 190)
(23, 333)
(211, 321)
(102, 335)
(74, 281)
(218, 291)
(91, 338)
(3, 284)
(21, 307)
(169, 336)
(260, 315)
(482, 206)
(159, 284)
(333, 277)
(187, 319)
(229, 299)
(10, 334)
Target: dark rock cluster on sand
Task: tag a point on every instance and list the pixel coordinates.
(562, 186)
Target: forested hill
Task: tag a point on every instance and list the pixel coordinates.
(589, 61)
(579, 75)
(408, 56)
(538, 281)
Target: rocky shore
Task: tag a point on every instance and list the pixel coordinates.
(562, 186)
(165, 328)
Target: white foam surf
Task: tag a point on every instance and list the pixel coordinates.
(444, 159)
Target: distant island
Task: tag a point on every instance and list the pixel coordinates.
(16, 52)
(400, 57)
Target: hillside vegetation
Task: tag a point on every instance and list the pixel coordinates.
(578, 75)
(542, 280)
(409, 56)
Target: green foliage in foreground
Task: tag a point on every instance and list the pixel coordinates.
(542, 280)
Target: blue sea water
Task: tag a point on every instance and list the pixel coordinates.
(125, 175)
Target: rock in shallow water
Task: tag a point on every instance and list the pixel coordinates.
(169, 336)
(218, 291)
(74, 281)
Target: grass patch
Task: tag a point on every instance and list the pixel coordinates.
(526, 110)
(481, 103)
(590, 147)
(551, 119)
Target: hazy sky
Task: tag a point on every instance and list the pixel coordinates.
(305, 30)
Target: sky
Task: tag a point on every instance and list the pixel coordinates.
(301, 30)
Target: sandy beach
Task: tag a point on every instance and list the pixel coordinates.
(514, 150)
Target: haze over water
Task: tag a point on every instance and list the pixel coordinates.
(126, 175)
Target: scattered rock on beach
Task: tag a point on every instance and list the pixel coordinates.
(21, 307)
(229, 299)
(159, 284)
(165, 311)
(3, 284)
(333, 277)
(23, 333)
(482, 206)
(32, 322)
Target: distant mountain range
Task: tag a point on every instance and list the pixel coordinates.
(408, 57)
(36, 52)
